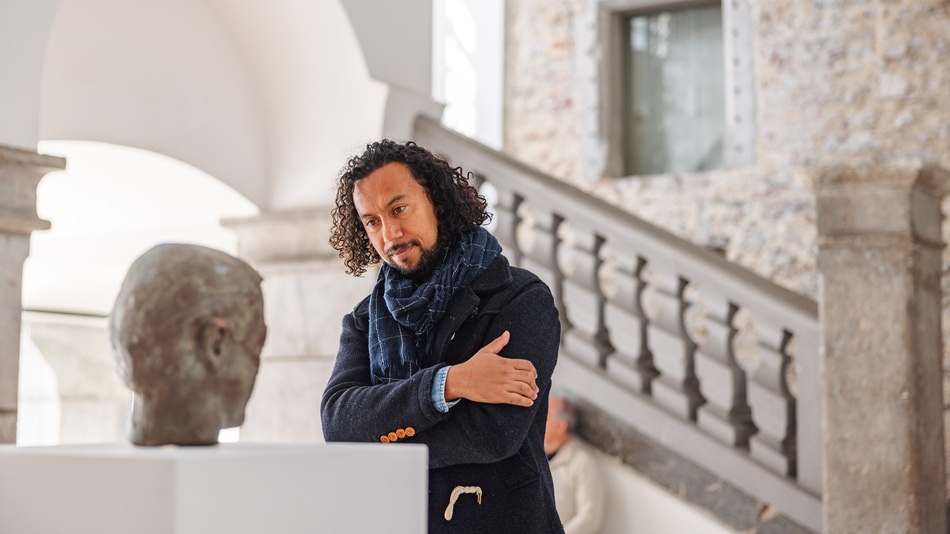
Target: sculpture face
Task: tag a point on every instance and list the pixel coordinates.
(187, 330)
(239, 352)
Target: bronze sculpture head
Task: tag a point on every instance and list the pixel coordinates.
(187, 331)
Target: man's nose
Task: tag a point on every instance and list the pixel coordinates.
(392, 231)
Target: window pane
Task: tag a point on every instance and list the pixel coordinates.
(674, 91)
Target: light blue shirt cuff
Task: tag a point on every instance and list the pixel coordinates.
(438, 391)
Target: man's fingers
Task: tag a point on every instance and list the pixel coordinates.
(520, 400)
(525, 365)
(526, 380)
(499, 342)
(529, 390)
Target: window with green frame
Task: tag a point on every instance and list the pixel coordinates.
(673, 91)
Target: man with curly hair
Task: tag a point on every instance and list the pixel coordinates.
(454, 348)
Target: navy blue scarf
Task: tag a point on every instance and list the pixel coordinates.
(402, 315)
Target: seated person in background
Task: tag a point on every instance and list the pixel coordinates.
(578, 485)
(187, 331)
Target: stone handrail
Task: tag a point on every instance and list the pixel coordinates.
(703, 356)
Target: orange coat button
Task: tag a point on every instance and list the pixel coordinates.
(400, 433)
(384, 439)
(393, 436)
(410, 431)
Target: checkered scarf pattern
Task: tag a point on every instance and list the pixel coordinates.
(402, 315)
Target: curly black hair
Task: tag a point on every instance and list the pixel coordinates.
(458, 206)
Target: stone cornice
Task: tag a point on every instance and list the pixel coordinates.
(21, 222)
(289, 238)
(41, 162)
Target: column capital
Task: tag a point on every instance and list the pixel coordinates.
(880, 203)
(20, 172)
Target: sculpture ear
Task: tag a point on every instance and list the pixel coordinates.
(213, 334)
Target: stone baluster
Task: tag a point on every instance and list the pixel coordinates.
(631, 363)
(477, 180)
(677, 388)
(773, 405)
(20, 173)
(539, 251)
(538, 248)
(726, 415)
(880, 245)
(587, 339)
(507, 221)
(806, 368)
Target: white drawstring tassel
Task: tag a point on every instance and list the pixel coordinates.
(455, 495)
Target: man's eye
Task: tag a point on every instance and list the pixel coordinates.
(399, 209)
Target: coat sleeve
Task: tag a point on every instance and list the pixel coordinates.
(486, 433)
(353, 409)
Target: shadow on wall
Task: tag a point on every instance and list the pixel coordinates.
(38, 406)
(637, 505)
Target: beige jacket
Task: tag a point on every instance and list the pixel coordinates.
(579, 491)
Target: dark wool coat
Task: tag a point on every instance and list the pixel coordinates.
(497, 447)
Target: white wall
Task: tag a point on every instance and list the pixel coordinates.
(636, 505)
(161, 76)
(39, 409)
(24, 27)
(396, 39)
(318, 101)
(70, 391)
(269, 97)
(468, 67)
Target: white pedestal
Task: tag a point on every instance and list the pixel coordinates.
(229, 488)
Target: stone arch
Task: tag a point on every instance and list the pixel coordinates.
(160, 76)
(110, 205)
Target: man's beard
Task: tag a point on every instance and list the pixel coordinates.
(428, 259)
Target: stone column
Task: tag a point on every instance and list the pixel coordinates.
(880, 258)
(306, 294)
(20, 172)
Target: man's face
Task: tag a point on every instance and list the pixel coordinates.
(399, 218)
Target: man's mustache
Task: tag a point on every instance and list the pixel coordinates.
(395, 247)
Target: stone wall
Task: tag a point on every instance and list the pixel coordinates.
(541, 115)
(837, 81)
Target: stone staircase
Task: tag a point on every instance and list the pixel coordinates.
(677, 348)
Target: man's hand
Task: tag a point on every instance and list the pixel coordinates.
(493, 379)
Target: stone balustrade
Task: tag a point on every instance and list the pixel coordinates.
(838, 423)
(652, 331)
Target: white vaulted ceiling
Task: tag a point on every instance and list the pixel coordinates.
(268, 97)
(265, 99)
